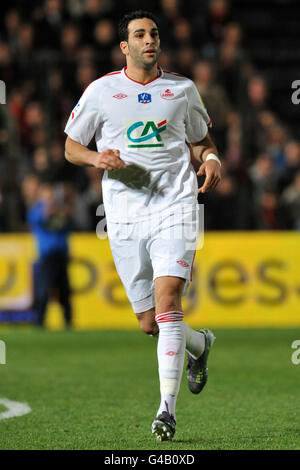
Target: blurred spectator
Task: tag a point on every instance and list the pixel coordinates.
(292, 164)
(12, 23)
(233, 152)
(166, 60)
(257, 93)
(215, 99)
(70, 41)
(7, 67)
(94, 10)
(49, 218)
(169, 12)
(263, 176)
(48, 24)
(104, 39)
(275, 141)
(183, 32)
(217, 18)
(117, 58)
(184, 61)
(291, 203)
(85, 74)
(33, 126)
(268, 213)
(40, 163)
(223, 206)
(258, 123)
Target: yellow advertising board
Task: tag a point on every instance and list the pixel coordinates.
(240, 279)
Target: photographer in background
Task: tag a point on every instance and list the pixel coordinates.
(49, 218)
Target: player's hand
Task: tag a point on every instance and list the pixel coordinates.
(212, 171)
(109, 159)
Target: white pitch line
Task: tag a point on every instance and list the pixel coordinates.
(14, 408)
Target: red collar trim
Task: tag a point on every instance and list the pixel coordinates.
(140, 83)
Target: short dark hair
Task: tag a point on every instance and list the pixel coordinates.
(134, 15)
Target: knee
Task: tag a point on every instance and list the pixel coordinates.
(150, 328)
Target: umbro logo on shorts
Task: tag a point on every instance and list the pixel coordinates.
(183, 263)
(120, 96)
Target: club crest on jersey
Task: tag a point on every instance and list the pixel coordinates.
(167, 94)
(144, 98)
(146, 134)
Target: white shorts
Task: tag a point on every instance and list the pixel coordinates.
(144, 251)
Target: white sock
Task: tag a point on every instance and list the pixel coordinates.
(170, 354)
(195, 341)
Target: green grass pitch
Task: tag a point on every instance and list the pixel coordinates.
(99, 390)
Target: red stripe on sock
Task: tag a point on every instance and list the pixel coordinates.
(164, 317)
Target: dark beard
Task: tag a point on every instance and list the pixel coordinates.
(150, 66)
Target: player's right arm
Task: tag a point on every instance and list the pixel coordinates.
(79, 154)
(85, 119)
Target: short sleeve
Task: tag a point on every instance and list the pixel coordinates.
(197, 119)
(86, 116)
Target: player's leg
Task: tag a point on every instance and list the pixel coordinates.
(170, 351)
(171, 342)
(44, 283)
(64, 290)
(172, 253)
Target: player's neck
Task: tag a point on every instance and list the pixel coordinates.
(141, 75)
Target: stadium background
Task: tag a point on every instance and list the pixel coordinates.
(243, 58)
(96, 386)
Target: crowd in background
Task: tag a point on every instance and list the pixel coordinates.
(52, 49)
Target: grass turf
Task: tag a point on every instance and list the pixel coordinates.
(99, 390)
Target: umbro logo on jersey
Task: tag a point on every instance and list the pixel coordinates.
(183, 263)
(167, 94)
(144, 98)
(120, 96)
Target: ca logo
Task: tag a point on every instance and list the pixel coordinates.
(146, 135)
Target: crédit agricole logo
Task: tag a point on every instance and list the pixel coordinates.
(145, 134)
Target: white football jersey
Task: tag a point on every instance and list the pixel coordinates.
(151, 124)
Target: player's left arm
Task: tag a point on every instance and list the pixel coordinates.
(211, 168)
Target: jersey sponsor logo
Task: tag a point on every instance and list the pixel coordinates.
(120, 96)
(146, 135)
(144, 98)
(167, 94)
(183, 263)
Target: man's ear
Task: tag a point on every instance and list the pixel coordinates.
(124, 47)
